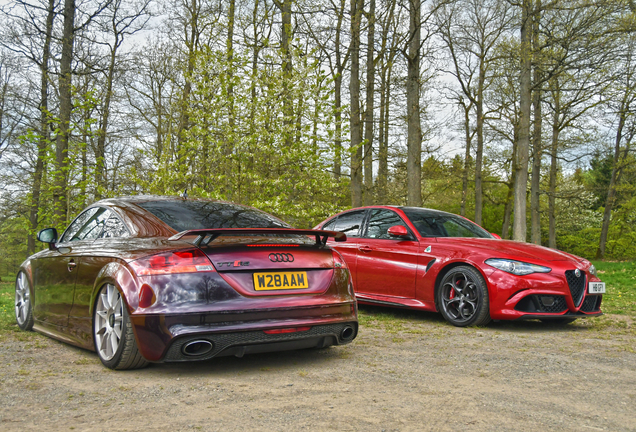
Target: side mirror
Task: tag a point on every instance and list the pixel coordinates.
(497, 236)
(398, 231)
(48, 235)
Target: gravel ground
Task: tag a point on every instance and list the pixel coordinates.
(406, 371)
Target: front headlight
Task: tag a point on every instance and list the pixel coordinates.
(517, 267)
(592, 270)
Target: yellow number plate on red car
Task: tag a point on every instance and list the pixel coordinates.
(280, 281)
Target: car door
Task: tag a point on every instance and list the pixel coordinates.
(386, 265)
(55, 272)
(349, 223)
(94, 260)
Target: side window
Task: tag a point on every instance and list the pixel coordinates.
(94, 226)
(330, 225)
(114, 228)
(455, 229)
(350, 223)
(380, 222)
(78, 223)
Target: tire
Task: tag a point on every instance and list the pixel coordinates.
(462, 297)
(113, 333)
(558, 321)
(23, 306)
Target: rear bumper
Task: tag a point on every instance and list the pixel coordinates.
(251, 342)
(163, 337)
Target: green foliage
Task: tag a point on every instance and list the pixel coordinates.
(242, 148)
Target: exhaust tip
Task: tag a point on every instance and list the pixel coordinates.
(197, 348)
(346, 333)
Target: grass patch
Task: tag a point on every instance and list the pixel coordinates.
(620, 284)
(7, 298)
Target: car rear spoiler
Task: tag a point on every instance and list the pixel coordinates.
(205, 236)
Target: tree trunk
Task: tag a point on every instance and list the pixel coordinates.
(505, 229)
(553, 176)
(45, 135)
(285, 7)
(229, 137)
(383, 150)
(354, 89)
(537, 151)
(368, 117)
(479, 154)
(462, 210)
(337, 158)
(100, 154)
(414, 139)
(66, 106)
(519, 228)
(192, 44)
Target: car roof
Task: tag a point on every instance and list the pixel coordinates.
(432, 212)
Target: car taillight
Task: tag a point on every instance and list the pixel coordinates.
(338, 261)
(184, 261)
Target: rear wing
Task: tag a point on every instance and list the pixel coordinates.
(205, 236)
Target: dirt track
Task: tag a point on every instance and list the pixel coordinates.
(406, 371)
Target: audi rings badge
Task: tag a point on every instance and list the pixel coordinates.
(281, 257)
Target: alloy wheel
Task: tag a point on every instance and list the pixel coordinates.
(108, 322)
(460, 297)
(22, 299)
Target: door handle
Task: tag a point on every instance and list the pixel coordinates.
(365, 248)
(71, 265)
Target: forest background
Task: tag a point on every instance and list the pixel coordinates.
(518, 114)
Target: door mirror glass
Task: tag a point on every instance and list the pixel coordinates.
(398, 231)
(48, 235)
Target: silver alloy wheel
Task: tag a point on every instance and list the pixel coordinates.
(460, 297)
(22, 299)
(108, 322)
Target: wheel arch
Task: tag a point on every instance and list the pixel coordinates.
(448, 267)
(119, 275)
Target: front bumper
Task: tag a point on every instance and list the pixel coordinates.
(542, 295)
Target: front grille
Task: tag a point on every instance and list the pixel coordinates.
(225, 341)
(577, 286)
(591, 304)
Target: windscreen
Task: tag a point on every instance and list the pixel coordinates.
(437, 224)
(189, 215)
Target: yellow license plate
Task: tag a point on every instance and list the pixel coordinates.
(280, 281)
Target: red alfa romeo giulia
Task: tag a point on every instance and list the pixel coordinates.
(435, 261)
(156, 279)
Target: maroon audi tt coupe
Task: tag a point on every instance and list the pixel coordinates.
(435, 261)
(158, 279)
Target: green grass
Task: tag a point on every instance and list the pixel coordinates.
(620, 284)
(7, 297)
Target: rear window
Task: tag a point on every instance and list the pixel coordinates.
(189, 215)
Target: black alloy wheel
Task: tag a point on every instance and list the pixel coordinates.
(462, 297)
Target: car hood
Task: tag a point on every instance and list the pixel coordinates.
(512, 249)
